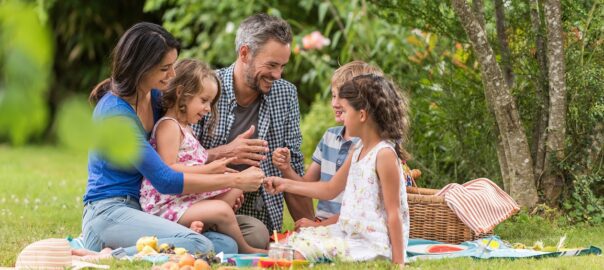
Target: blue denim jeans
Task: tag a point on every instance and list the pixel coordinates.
(120, 222)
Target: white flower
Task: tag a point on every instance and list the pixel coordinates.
(230, 27)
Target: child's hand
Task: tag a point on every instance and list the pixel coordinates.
(274, 184)
(304, 222)
(238, 203)
(282, 158)
(219, 166)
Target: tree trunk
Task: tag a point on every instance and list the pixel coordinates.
(553, 182)
(542, 114)
(519, 161)
(504, 48)
(478, 9)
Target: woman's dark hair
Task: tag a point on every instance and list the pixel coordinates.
(188, 82)
(141, 48)
(385, 104)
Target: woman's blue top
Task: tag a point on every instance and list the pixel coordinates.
(106, 180)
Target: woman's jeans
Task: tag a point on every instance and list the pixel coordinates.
(120, 222)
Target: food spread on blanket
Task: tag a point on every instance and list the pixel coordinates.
(539, 246)
(178, 258)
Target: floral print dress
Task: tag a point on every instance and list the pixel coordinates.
(172, 207)
(361, 232)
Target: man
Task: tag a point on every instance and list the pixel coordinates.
(258, 112)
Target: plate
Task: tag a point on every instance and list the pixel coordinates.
(436, 248)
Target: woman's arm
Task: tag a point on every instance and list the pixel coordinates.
(388, 173)
(168, 181)
(247, 180)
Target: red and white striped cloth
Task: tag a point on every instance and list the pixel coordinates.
(480, 204)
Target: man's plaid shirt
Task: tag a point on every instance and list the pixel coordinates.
(278, 124)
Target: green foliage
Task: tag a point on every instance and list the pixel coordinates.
(25, 60)
(26, 51)
(115, 137)
(585, 132)
(584, 204)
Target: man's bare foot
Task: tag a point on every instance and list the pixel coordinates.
(197, 226)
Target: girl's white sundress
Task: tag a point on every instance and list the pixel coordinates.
(361, 232)
(172, 207)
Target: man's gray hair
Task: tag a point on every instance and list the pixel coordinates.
(258, 29)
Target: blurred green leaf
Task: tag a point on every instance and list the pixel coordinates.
(114, 137)
(74, 125)
(25, 63)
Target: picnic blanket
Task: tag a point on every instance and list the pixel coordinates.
(480, 204)
(488, 248)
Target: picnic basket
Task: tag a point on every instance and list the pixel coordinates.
(432, 219)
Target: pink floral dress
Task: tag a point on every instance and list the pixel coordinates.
(172, 207)
(361, 232)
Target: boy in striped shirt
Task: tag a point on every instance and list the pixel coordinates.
(331, 152)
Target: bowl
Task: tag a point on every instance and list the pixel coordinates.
(246, 261)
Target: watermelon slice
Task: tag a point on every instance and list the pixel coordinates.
(444, 248)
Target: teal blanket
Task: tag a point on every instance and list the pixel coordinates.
(496, 249)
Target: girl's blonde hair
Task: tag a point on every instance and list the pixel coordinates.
(385, 104)
(352, 69)
(188, 82)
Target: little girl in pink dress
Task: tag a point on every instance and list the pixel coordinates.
(189, 96)
(172, 207)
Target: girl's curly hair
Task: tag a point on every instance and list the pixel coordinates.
(189, 78)
(385, 104)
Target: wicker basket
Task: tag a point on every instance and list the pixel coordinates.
(432, 219)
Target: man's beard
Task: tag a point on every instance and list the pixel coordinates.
(250, 80)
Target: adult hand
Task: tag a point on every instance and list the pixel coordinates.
(304, 222)
(250, 179)
(274, 184)
(247, 151)
(282, 158)
(220, 166)
(238, 203)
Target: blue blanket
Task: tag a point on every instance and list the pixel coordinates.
(491, 248)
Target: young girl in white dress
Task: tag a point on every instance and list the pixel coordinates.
(190, 95)
(374, 218)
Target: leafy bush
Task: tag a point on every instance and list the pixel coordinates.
(584, 204)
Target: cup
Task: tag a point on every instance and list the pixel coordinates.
(280, 251)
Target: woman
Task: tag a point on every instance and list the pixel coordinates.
(143, 60)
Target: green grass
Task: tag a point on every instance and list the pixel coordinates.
(40, 197)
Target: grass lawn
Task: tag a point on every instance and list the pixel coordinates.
(41, 190)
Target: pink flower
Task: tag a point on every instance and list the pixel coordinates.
(314, 40)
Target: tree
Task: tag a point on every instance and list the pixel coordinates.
(515, 145)
(552, 181)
